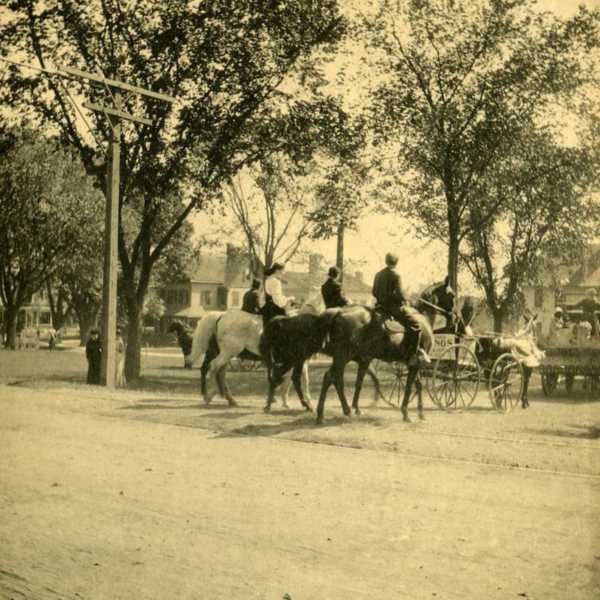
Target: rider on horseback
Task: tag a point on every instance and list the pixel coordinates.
(392, 301)
(275, 300)
(331, 290)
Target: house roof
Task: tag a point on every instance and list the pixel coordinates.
(588, 274)
(218, 269)
(306, 281)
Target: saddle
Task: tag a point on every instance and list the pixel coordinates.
(392, 327)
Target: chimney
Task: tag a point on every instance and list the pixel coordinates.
(314, 265)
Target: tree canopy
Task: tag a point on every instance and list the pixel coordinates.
(456, 86)
(246, 76)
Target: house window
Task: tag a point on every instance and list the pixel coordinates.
(178, 297)
(235, 299)
(205, 298)
(538, 297)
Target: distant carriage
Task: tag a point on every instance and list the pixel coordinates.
(571, 355)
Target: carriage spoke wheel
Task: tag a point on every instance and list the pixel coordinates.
(398, 387)
(455, 379)
(506, 383)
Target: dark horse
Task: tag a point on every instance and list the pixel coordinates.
(353, 333)
(184, 339)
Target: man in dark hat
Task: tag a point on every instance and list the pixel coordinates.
(590, 308)
(251, 300)
(331, 290)
(93, 353)
(391, 299)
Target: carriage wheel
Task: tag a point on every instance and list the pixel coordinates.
(506, 383)
(549, 383)
(393, 377)
(455, 379)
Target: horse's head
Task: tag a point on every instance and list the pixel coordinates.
(175, 327)
(437, 298)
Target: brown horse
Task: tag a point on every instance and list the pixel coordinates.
(353, 333)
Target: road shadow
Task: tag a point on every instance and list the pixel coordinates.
(583, 432)
(304, 423)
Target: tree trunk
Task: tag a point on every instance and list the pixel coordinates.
(339, 259)
(498, 315)
(11, 314)
(453, 261)
(133, 343)
(86, 319)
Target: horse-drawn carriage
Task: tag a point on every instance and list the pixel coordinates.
(464, 363)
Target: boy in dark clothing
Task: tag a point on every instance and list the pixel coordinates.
(331, 290)
(590, 306)
(93, 353)
(251, 300)
(392, 300)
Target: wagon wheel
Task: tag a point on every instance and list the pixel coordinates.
(506, 383)
(455, 379)
(549, 383)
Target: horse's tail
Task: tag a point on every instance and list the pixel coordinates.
(205, 329)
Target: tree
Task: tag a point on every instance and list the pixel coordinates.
(45, 194)
(340, 201)
(272, 205)
(548, 212)
(458, 84)
(236, 69)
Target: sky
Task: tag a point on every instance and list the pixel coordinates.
(421, 262)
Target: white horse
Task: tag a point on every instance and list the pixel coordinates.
(221, 336)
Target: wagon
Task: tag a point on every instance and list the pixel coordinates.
(565, 362)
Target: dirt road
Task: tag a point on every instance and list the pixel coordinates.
(97, 504)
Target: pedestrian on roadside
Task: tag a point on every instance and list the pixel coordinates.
(93, 353)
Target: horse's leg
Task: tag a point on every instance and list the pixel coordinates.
(360, 375)
(526, 376)
(218, 364)
(297, 379)
(276, 375)
(377, 393)
(203, 373)
(223, 387)
(327, 379)
(338, 380)
(413, 371)
(419, 387)
(285, 389)
(306, 383)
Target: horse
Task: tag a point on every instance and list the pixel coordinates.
(184, 339)
(353, 333)
(221, 336)
(522, 346)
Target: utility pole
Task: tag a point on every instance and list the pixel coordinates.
(115, 115)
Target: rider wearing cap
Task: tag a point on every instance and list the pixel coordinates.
(390, 297)
(590, 306)
(332, 290)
